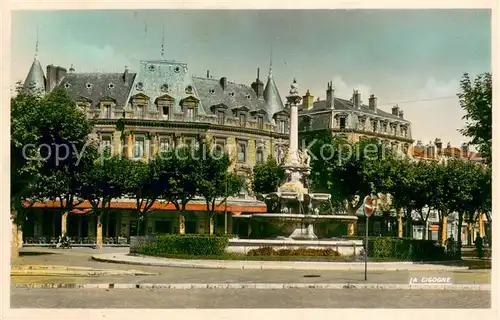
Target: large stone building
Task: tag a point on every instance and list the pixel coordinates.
(162, 105)
(355, 120)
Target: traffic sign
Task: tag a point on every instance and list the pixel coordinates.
(369, 206)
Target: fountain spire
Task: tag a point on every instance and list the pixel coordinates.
(293, 101)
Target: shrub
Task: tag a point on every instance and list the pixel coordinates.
(405, 249)
(263, 251)
(191, 244)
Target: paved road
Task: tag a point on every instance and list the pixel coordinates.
(246, 298)
(81, 257)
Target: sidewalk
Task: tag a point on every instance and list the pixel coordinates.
(270, 265)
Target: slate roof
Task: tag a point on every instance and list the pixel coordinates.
(95, 86)
(35, 80)
(272, 96)
(210, 92)
(346, 105)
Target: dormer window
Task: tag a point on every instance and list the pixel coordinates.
(141, 111)
(111, 85)
(189, 114)
(220, 117)
(260, 123)
(107, 111)
(189, 89)
(212, 91)
(152, 68)
(404, 132)
(384, 127)
(281, 126)
(243, 119)
(165, 112)
(248, 96)
(88, 85)
(67, 85)
(139, 86)
(374, 125)
(164, 88)
(231, 94)
(342, 123)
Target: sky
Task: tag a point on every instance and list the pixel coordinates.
(415, 58)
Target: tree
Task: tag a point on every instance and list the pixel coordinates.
(182, 170)
(476, 99)
(216, 182)
(267, 177)
(24, 163)
(147, 184)
(69, 150)
(106, 179)
(348, 171)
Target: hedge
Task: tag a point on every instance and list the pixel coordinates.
(405, 249)
(303, 252)
(189, 244)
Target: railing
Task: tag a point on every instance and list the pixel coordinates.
(140, 240)
(78, 241)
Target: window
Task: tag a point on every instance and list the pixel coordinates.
(374, 126)
(140, 111)
(219, 147)
(189, 114)
(139, 147)
(393, 129)
(165, 112)
(260, 123)
(220, 117)
(362, 122)
(259, 155)
(384, 127)
(243, 119)
(164, 145)
(342, 122)
(281, 126)
(106, 145)
(190, 142)
(242, 152)
(404, 132)
(107, 111)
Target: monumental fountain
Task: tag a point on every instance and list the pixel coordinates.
(298, 218)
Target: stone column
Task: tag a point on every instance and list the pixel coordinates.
(182, 226)
(293, 100)
(400, 224)
(444, 234)
(64, 223)
(211, 225)
(481, 224)
(130, 145)
(99, 232)
(350, 229)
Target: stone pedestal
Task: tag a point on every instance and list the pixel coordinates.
(301, 233)
(99, 232)
(182, 224)
(350, 229)
(444, 234)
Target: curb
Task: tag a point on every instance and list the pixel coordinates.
(271, 265)
(261, 286)
(46, 270)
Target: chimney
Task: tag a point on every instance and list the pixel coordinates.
(356, 99)
(307, 101)
(430, 150)
(372, 103)
(51, 77)
(448, 145)
(208, 74)
(465, 148)
(223, 83)
(401, 114)
(395, 110)
(330, 98)
(71, 69)
(438, 143)
(124, 76)
(60, 74)
(258, 86)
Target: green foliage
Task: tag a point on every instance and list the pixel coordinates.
(197, 245)
(348, 171)
(405, 249)
(304, 252)
(476, 99)
(267, 176)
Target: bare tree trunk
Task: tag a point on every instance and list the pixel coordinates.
(99, 232)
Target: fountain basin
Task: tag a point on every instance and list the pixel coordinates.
(295, 226)
(344, 247)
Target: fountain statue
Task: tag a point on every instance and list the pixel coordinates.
(297, 212)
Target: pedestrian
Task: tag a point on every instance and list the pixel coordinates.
(479, 246)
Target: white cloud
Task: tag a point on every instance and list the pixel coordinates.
(344, 90)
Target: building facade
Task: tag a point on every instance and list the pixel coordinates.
(138, 114)
(355, 120)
